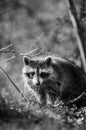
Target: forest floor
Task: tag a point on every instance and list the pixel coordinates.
(30, 116)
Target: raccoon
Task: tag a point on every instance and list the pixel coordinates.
(54, 78)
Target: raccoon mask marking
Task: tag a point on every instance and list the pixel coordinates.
(39, 77)
(37, 71)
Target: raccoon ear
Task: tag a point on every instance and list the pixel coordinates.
(48, 61)
(26, 60)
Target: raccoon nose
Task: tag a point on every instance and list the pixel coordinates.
(38, 83)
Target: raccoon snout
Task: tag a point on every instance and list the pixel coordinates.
(38, 83)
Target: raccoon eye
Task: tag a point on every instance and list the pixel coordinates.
(30, 75)
(44, 75)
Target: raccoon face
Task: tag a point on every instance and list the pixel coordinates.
(36, 72)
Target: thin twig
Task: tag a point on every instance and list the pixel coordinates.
(76, 99)
(58, 105)
(38, 38)
(11, 58)
(31, 52)
(6, 75)
(4, 48)
(37, 50)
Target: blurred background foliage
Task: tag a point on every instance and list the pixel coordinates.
(22, 22)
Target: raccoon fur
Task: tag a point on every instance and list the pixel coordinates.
(53, 77)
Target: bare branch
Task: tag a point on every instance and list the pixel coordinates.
(11, 58)
(76, 99)
(39, 37)
(29, 53)
(59, 104)
(3, 49)
(6, 75)
(76, 29)
(21, 53)
(7, 51)
(33, 52)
